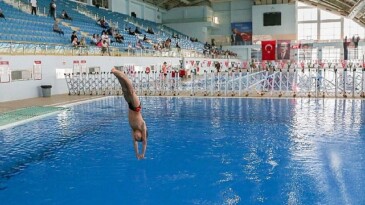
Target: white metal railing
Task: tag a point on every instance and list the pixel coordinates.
(296, 80)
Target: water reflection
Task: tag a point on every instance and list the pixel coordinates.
(326, 137)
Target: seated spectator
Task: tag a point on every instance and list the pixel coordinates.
(105, 37)
(2, 14)
(118, 37)
(193, 39)
(73, 36)
(139, 44)
(167, 43)
(64, 15)
(150, 31)
(99, 41)
(103, 23)
(178, 47)
(145, 39)
(94, 40)
(82, 42)
(75, 42)
(110, 31)
(137, 31)
(130, 32)
(57, 29)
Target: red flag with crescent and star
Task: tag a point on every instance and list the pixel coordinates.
(268, 50)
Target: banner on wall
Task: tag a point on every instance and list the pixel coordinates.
(4, 72)
(76, 67)
(83, 67)
(241, 33)
(37, 70)
(268, 50)
(283, 50)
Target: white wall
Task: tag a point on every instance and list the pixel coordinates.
(191, 21)
(17, 90)
(288, 28)
(142, 10)
(187, 14)
(241, 11)
(197, 30)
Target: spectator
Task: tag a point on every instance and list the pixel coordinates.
(64, 15)
(82, 42)
(139, 44)
(136, 30)
(98, 40)
(118, 37)
(73, 36)
(2, 14)
(150, 31)
(103, 23)
(105, 37)
(52, 9)
(217, 66)
(75, 42)
(57, 29)
(167, 43)
(104, 47)
(147, 40)
(34, 6)
(94, 40)
(130, 32)
(110, 31)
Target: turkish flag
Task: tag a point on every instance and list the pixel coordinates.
(268, 50)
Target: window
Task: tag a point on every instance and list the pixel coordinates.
(325, 15)
(216, 20)
(307, 31)
(331, 53)
(351, 28)
(308, 14)
(330, 31)
(101, 3)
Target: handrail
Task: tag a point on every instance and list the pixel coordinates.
(31, 48)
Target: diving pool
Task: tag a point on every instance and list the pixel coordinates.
(200, 151)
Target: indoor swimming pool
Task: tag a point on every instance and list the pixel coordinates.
(200, 151)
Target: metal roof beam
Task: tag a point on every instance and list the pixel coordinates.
(356, 9)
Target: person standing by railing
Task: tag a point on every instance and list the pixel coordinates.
(52, 9)
(34, 7)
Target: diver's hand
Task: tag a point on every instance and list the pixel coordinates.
(140, 156)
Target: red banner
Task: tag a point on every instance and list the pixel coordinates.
(268, 50)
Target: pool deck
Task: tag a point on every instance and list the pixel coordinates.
(55, 100)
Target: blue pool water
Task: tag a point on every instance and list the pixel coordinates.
(200, 151)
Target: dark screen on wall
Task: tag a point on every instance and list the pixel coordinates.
(272, 19)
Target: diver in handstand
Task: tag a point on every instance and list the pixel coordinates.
(138, 125)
